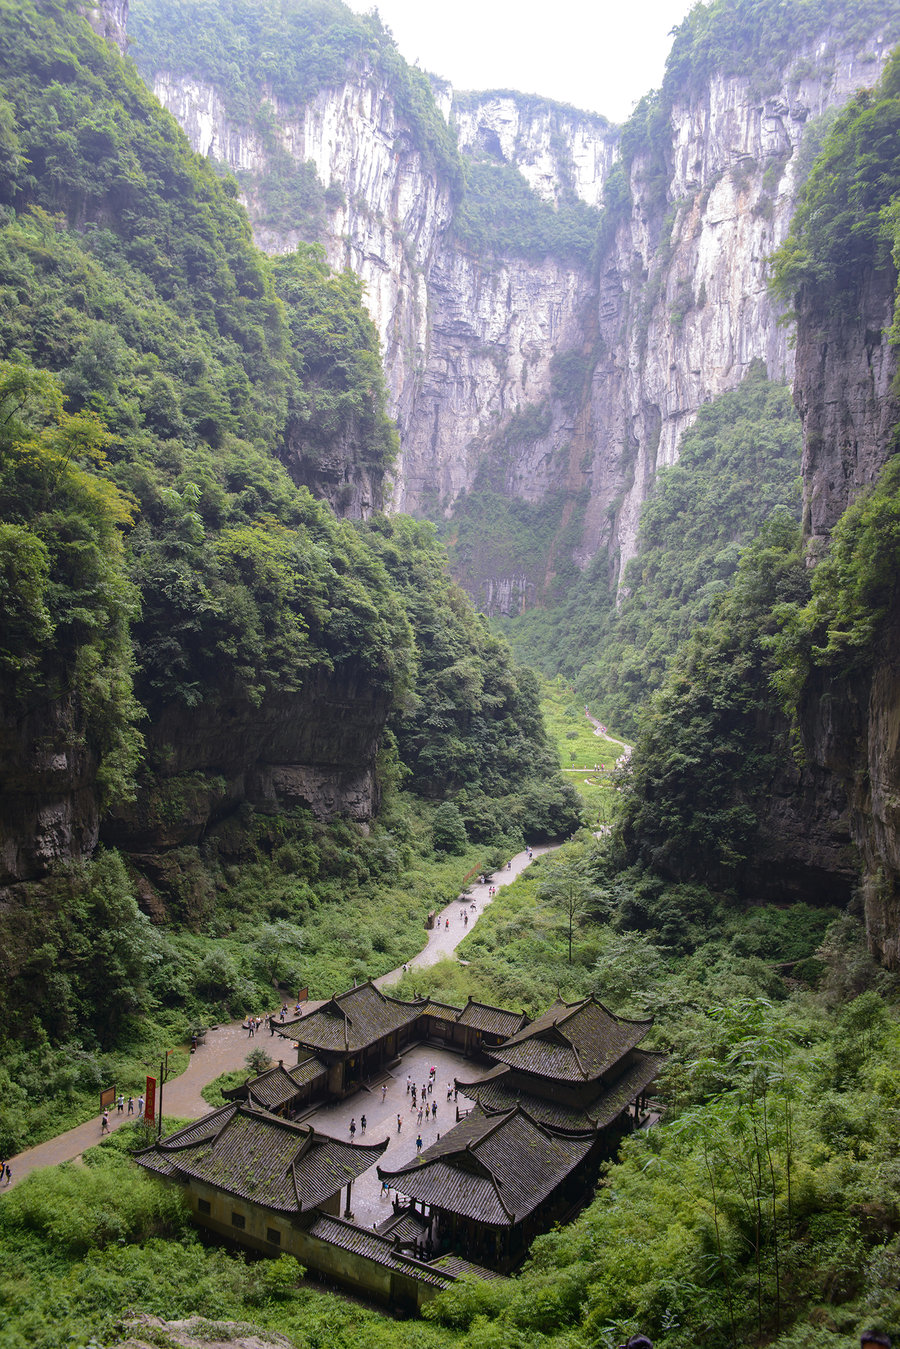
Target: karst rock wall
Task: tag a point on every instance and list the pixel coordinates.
(672, 314)
(846, 392)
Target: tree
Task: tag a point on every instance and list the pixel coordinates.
(448, 833)
(567, 890)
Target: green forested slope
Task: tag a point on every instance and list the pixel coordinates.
(738, 463)
(159, 569)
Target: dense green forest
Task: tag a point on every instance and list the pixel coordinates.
(158, 563)
(737, 465)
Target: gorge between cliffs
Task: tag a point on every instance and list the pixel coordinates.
(367, 445)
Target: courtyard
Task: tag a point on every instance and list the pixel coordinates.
(369, 1206)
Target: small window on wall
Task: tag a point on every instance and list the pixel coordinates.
(273, 1235)
(238, 1220)
(204, 1206)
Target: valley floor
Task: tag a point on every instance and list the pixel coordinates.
(227, 1046)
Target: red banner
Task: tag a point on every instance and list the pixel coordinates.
(150, 1100)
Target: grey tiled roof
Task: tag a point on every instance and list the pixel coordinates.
(575, 1042)
(273, 1162)
(307, 1071)
(277, 1086)
(372, 1246)
(351, 1021)
(494, 1169)
(492, 1020)
(442, 1011)
(407, 1225)
(464, 1269)
(499, 1092)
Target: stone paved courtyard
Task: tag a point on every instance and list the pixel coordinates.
(369, 1206)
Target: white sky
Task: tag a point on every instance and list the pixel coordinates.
(600, 56)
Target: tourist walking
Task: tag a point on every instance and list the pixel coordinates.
(104, 1122)
(362, 1124)
(383, 1092)
(131, 1105)
(399, 1123)
(352, 1129)
(419, 1143)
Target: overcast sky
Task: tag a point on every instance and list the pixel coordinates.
(600, 56)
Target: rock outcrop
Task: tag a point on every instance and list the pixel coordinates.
(845, 391)
(673, 315)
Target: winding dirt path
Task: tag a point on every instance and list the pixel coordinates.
(227, 1046)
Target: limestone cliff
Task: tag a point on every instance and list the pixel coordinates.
(673, 314)
(846, 393)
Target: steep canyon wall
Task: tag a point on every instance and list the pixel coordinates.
(669, 315)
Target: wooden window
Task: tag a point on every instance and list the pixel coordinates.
(238, 1220)
(204, 1206)
(273, 1235)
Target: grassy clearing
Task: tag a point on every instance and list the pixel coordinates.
(589, 760)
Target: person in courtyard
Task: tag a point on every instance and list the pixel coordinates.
(362, 1124)
(352, 1129)
(383, 1092)
(399, 1123)
(418, 1143)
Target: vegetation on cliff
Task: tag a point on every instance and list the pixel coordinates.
(848, 217)
(738, 463)
(291, 52)
(160, 571)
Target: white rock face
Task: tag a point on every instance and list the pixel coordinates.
(553, 147)
(672, 317)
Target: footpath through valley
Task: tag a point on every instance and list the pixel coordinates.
(227, 1046)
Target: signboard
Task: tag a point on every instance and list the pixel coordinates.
(303, 995)
(150, 1099)
(107, 1098)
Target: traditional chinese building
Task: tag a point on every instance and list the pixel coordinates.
(494, 1182)
(275, 1186)
(284, 1091)
(577, 1068)
(355, 1034)
(247, 1171)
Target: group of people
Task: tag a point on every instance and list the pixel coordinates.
(120, 1110)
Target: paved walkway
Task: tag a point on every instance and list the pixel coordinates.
(369, 1206)
(227, 1046)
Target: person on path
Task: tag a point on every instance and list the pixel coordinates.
(104, 1122)
(408, 1082)
(465, 920)
(8, 1174)
(419, 1143)
(352, 1129)
(383, 1092)
(120, 1104)
(434, 1109)
(131, 1105)
(509, 865)
(399, 1123)
(362, 1124)
(140, 1106)
(419, 1119)
(449, 1091)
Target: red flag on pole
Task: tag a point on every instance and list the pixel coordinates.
(150, 1099)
